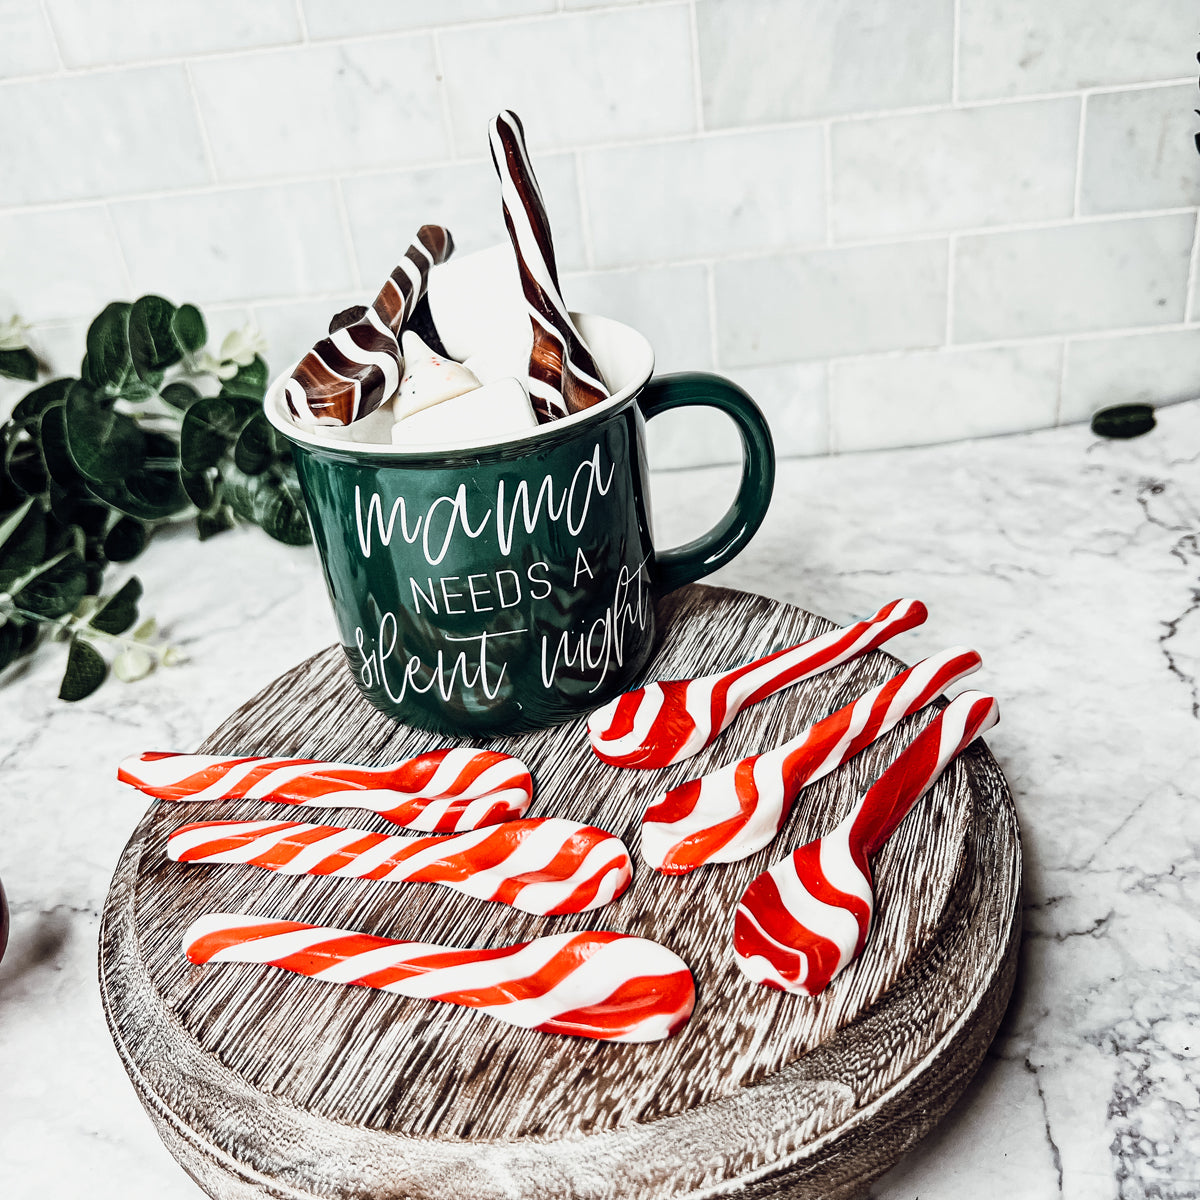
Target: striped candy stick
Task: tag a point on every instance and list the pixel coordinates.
(444, 791)
(563, 376)
(807, 917)
(543, 865)
(670, 721)
(736, 811)
(609, 986)
(356, 368)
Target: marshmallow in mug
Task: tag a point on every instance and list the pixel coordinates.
(494, 409)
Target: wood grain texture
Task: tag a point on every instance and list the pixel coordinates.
(265, 1083)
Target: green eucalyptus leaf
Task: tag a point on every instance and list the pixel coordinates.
(79, 508)
(16, 638)
(119, 612)
(152, 345)
(219, 520)
(152, 493)
(125, 540)
(188, 329)
(200, 487)
(250, 381)
(22, 542)
(137, 390)
(19, 364)
(24, 470)
(209, 428)
(59, 465)
(256, 447)
(33, 404)
(105, 445)
(180, 395)
(1124, 421)
(85, 672)
(108, 361)
(271, 501)
(56, 588)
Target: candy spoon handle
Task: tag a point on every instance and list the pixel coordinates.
(443, 791)
(610, 986)
(546, 865)
(888, 800)
(731, 813)
(756, 681)
(667, 722)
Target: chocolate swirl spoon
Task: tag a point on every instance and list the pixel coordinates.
(354, 370)
(667, 722)
(807, 917)
(563, 375)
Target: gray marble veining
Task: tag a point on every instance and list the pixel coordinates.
(1071, 564)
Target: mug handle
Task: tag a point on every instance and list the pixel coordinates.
(729, 537)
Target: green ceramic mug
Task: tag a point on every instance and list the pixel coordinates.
(510, 586)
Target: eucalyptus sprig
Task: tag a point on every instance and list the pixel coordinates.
(154, 429)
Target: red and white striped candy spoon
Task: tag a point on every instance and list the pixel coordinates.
(545, 865)
(807, 917)
(669, 721)
(444, 791)
(610, 986)
(733, 812)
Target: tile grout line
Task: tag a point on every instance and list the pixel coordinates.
(443, 96)
(1062, 382)
(350, 39)
(697, 81)
(1116, 333)
(827, 190)
(951, 257)
(954, 58)
(209, 158)
(302, 21)
(1189, 313)
(58, 54)
(713, 343)
(830, 437)
(116, 237)
(1078, 196)
(219, 186)
(347, 234)
(585, 218)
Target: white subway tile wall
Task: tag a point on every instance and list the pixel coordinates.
(892, 221)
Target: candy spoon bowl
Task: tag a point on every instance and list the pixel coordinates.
(671, 720)
(807, 917)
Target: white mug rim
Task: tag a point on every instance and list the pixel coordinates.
(594, 328)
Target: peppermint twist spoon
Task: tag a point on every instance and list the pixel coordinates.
(669, 721)
(807, 917)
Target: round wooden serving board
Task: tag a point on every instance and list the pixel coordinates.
(265, 1083)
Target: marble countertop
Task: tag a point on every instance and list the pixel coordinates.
(1071, 564)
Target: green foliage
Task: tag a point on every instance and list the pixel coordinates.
(1124, 421)
(153, 429)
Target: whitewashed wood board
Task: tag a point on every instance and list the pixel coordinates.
(263, 1083)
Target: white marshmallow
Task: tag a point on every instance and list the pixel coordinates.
(478, 307)
(497, 409)
(428, 378)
